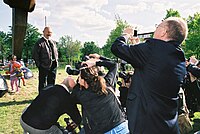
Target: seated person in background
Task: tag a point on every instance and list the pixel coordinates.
(100, 107)
(41, 116)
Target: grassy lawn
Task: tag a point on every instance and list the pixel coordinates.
(11, 105)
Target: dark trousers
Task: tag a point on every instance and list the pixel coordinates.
(47, 76)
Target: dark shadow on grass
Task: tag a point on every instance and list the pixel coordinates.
(4, 104)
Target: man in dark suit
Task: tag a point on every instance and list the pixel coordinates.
(159, 69)
(41, 116)
(45, 55)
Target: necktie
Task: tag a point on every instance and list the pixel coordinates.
(51, 49)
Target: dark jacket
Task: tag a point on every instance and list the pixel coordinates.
(48, 106)
(100, 113)
(159, 68)
(42, 55)
(194, 70)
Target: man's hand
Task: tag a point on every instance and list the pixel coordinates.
(193, 60)
(128, 31)
(134, 40)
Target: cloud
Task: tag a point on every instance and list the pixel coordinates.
(129, 9)
(85, 14)
(188, 9)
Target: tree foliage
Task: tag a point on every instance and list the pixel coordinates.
(172, 13)
(5, 45)
(31, 37)
(120, 25)
(69, 50)
(192, 43)
(90, 48)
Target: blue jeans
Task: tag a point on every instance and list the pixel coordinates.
(120, 129)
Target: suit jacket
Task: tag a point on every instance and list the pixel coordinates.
(48, 106)
(152, 102)
(42, 54)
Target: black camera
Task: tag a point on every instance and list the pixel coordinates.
(135, 33)
(71, 71)
(78, 65)
(125, 76)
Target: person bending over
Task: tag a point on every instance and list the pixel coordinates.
(41, 116)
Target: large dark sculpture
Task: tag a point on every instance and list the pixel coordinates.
(20, 9)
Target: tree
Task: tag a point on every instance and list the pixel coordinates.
(120, 25)
(69, 49)
(90, 48)
(172, 13)
(5, 45)
(2, 45)
(31, 37)
(192, 43)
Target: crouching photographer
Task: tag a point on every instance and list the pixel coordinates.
(101, 112)
(41, 116)
(78, 65)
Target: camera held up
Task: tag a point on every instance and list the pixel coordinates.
(75, 71)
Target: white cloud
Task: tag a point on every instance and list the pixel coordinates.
(92, 20)
(161, 7)
(81, 13)
(186, 9)
(129, 9)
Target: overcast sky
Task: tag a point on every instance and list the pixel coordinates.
(92, 20)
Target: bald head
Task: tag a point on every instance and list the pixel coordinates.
(69, 82)
(47, 32)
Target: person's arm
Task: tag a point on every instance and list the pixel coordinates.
(110, 77)
(36, 54)
(97, 56)
(136, 55)
(194, 70)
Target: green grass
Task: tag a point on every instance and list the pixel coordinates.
(12, 105)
